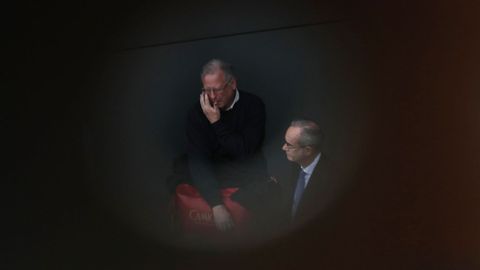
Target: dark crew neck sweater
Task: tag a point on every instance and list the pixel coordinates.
(226, 153)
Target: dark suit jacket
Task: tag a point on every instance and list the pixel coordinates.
(321, 191)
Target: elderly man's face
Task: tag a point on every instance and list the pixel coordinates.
(220, 92)
(293, 150)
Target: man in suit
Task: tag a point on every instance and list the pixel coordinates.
(314, 187)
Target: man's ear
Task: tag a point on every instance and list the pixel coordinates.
(234, 84)
(309, 150)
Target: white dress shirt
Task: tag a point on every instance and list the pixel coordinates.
(237, 97)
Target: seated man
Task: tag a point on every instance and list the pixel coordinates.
(314, 184)
(225, 131)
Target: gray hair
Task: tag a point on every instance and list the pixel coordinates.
(311, 134)
(214, 66)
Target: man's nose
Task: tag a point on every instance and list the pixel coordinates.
(211, 95)
(284, 147)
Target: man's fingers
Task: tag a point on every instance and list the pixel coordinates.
(222, 226)
(206, 101)
(227, 226)
(202, 102)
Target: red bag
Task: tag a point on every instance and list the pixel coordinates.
(195, 215)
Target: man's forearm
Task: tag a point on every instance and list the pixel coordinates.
(203, 178)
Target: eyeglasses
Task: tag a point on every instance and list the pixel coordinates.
(217, 90)
(290, 146)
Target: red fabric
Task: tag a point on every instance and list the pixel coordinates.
(195, 215)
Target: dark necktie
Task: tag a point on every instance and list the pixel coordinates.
(298, 191)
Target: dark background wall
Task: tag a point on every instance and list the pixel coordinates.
(96, 93)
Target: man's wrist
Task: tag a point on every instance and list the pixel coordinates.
(213, 121)
(218, 206)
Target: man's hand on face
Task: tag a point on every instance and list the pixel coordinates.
(211, 112)
(223, 219)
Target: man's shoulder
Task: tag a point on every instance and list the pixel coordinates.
(327, 176)
(248, 95)
(250, 98)
(325, 165)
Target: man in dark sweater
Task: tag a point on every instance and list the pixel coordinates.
(225, 131)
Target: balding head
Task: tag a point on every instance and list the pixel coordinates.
(310, 135)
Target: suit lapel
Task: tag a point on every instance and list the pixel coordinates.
(318, 191)
(314, 183)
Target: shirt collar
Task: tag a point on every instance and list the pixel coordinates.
(309, 169)
(237, 97)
